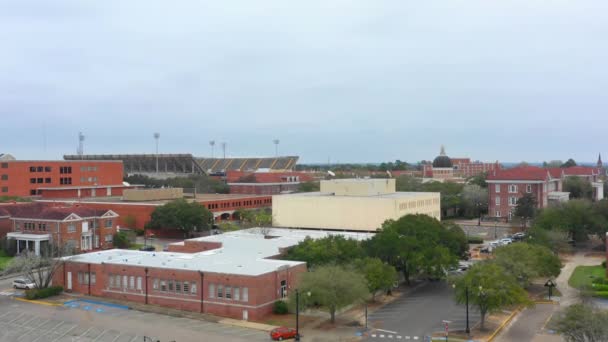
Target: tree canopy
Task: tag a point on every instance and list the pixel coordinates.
(309, 186)
(415, 244)
(580, 218)
(378, 275)
(479, 179)
(526, 207)
(490, 288)
(254, 217)
(526, 262)
(334, 249)
(332, 288)
(183, 215)
(569, 163)
(578, 187)
(583, 323)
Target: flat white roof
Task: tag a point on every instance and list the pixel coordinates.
(387, 196)
(243, 252)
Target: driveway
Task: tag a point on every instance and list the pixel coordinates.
(420, 313)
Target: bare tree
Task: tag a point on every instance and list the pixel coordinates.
(40, 268)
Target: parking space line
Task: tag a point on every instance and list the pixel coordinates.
(117, 336)
(100, 335)
(72, 328)
(134, 338)
(16, 318)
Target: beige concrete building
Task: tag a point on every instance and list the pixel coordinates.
(351, 204)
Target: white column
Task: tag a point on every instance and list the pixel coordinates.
(27, 245)
(37, 247)
(20, 240)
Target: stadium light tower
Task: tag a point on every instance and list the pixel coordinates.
(212, 143)
(276, 147)
(224, 149)
(156, 137)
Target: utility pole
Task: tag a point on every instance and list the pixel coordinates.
(156, 137)
(276, 147)
(212, 143)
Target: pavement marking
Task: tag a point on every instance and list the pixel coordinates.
(415, 337)
(72, 328)
(387, 331)
(398, 337)
(407, 337)
(374, 335)
(390, 336)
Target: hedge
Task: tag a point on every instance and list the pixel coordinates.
(280, 307)
(43, 293)
(601, 281)
(601, 294)
(600, 287)
(475, 240)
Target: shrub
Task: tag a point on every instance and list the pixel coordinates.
(599, 287)
(43, 293)
(280, 307)
(601, 294)
(604, 264)
(475, 240)
(121, 240)
(602, 281)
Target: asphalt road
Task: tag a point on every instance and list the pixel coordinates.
(29, 322)
(420, 313)
(527, 324)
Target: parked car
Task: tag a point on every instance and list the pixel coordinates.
(485, 249)
(518, 236)
(282, 333)
(23, 283)
(147, 248)
(506, 241)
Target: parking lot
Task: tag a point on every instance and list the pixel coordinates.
(83, 321)
(419, 314)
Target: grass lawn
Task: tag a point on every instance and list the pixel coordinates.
(136, 246)
(4, 260)
(583, 275)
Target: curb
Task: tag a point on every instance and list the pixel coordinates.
(499, 329)
(546, 302)
(247, 324)
(39, 302)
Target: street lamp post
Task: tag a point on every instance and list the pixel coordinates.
(297, 337)
(466, 296)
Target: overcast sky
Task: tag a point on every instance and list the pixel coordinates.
(352, 81)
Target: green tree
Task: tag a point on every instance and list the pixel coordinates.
(309, 186)
(474, 200)
(331, 288)
(379, 275)
(569, 163)
(455, 239)
(555, 240)
(479, 180)
(528, 261)
(121, 240)
(408, 183)
(526, 207)
(333, 249)
(577, 217)
(583, 323)
(183, 215)
(490, 288)
(254, 217)
(413, 244)
(578, 187)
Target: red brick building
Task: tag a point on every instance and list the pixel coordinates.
(506, 187)
(35, 226)
(62, 178)
(222, 206)
(233, 275)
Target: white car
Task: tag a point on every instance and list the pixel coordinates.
(23, 283)
(506, 241)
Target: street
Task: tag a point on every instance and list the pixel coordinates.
(420, 313)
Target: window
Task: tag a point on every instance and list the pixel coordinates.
(39, 180)
(497, 213)
(33, 192)
(132, 282)
(283, 288)
(237, 295)
(211, 290)
(529, 188)
(4, 177)
(512, 200)
(193, 288)
(47, 180)
(93, 278)
(71, 228)
(228, 292)
(32, 180)
(125, 280)
(220, 291)
(5, 189)
(39, 169)
(178, 287)
(186, 287)
(47, 169)
(245, 294)
(497, 200)
(109, 238)
(5, 165)
(163, 285)
(512, 188)
(139, 283)
(155, 284)
(117, 280)
(170, 287)
(32, 169)
(65, 169)
(108, 223)
(111, 281)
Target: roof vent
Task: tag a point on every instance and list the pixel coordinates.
(162, 263)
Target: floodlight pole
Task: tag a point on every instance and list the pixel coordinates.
(156, 137)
